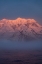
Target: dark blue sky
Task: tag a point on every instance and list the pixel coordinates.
(12, 9)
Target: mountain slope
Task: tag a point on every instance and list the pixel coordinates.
(20, 29)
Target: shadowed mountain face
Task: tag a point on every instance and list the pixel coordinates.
(20, 29)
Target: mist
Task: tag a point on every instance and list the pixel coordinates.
(20, 45)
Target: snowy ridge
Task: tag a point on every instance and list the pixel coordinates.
(20, 29)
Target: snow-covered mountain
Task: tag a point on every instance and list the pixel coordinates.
(20, 29)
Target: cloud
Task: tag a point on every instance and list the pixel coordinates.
(16, 45)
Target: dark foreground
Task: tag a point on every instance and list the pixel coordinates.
(21, 57)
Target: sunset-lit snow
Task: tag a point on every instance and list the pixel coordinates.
(20, 22)
(27, 28)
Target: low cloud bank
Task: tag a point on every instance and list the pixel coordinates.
(14, 45)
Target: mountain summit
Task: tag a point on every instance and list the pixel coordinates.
(20, 29)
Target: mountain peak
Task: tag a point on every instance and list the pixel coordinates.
(25, 19)
(20, 28)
